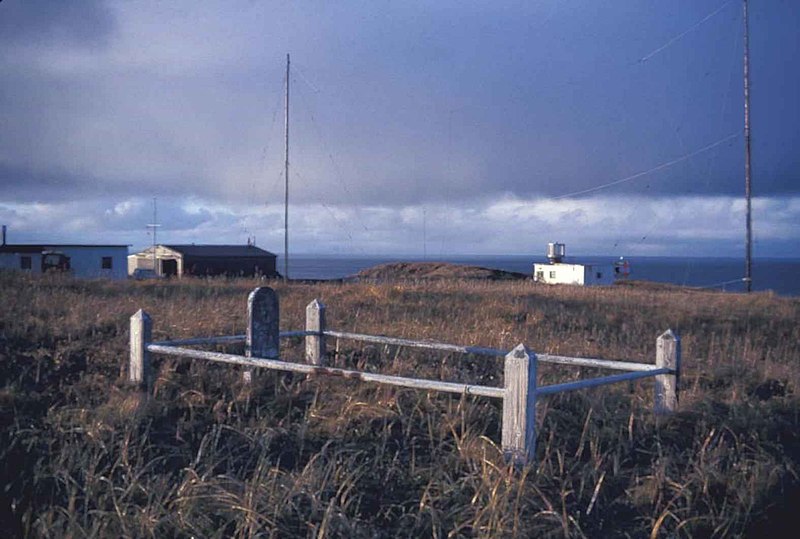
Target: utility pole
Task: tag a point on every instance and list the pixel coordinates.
(286, 189)
(748, 264)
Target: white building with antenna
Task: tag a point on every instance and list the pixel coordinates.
(556, 271)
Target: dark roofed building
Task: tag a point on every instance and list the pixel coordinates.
(89, 261)
(203, 260)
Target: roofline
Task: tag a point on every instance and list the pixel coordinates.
(207, 245)
(556, 264)
(178, 246)
(49, 245)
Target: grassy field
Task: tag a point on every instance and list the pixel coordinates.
(82, 454)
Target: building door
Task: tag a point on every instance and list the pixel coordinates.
(169, 267)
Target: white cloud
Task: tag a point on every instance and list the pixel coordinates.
(124, 208)
(631, 226)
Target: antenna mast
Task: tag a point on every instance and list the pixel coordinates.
(154, 225)
(748, 278)
(286, 189)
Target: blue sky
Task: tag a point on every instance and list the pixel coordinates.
(437, 127)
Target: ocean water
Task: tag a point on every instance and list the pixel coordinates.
(781, 275)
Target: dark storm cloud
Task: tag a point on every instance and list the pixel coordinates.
(35, 22)
(394, 103)
(24, 184)
(460, 103)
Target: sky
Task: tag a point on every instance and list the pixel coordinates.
(417, 128)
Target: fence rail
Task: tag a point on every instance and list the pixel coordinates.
(227, 339)
(605, 380)
(430, 345)
(276, 364)
(519, 392)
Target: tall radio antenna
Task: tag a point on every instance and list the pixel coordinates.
(286, 190)
(154, 225)
(748, 262)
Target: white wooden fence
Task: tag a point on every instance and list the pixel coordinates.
(519, 392)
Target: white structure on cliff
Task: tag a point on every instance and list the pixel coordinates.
(558, 272)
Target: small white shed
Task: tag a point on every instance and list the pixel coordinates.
(556, 271)
(579, 274)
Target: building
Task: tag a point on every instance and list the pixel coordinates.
(558, 272)
(580, 274)
(87, 261)
(202, 260)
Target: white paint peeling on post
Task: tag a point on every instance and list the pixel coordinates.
(519, 406)
(141, 335)
(263, 315)
(315, 338)
(668, 356)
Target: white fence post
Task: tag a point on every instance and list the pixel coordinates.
(519, 406)
(139, 372)
(315, 344)
(262, 326)
(668, 355)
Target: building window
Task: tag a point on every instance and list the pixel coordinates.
(540, 276)
(552, 274)
(25, 262)
(599, 275)
(107, 262)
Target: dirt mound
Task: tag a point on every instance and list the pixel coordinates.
(398, 271)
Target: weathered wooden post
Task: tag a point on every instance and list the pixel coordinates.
(519, 406)
(263, 316)
(315, 344)
(139, 372)
(668, 355)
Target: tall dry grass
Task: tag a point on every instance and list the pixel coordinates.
(82, 454)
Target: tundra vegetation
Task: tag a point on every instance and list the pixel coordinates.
(83, 454)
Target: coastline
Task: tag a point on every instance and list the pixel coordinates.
(719, 273)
